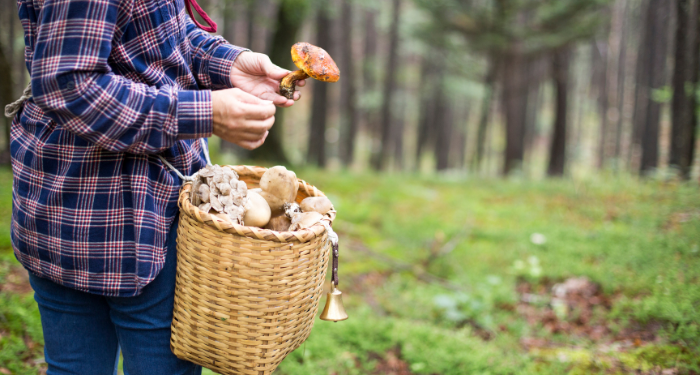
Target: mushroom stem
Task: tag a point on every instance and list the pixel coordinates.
(288, 84)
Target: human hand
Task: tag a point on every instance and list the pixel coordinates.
(255, 74)
(242, 118)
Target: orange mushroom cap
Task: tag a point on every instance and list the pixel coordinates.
(315, 62)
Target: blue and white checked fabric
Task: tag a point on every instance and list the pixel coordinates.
(115, 83)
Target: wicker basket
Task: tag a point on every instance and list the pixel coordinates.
(245, 297)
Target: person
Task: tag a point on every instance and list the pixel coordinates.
(114, 85)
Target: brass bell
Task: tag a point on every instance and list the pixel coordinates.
(334, 310)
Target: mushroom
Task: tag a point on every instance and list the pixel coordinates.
(316, 204)
(313, 62)
(304, 220)
(279, 223)
(257, 211)
(279, 186)
(217, 190)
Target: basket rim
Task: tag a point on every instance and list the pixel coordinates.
(245, 173)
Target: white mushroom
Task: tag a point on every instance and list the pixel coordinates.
(304, 220)
(257, 211)
(316, 204)
(279, 186)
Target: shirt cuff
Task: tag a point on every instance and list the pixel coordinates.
(195, 117)
(220, 64)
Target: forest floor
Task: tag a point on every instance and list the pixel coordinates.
(453, 276)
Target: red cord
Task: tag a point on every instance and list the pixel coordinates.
(212, 25)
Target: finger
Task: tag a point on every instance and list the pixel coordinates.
(251, 145)
(249, 137)
(275, 98)
(273, 71)
(257, 127)
(301, 82)
(257, 111)
(247, 97)
(297, 95)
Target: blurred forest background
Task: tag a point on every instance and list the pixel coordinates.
(446, 268)
(488, 87)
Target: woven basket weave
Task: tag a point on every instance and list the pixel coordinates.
(245, 297)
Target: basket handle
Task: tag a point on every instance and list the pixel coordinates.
(184, 178)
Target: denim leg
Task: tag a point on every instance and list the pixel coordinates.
(78, 333)
(143, 323)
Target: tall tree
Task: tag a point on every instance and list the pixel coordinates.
(560, 73)
(683, 104)
(443, 128)
(658, 14)
(6, 97)
(642, 76)
(290, 16)
(430, 68)
(514, 86)
(379, 158)
(621, 80)
(599, 81)
(348, 97)
(694, 79)
(369, 63)
(317, 143)
(489, 87)
(230, 17)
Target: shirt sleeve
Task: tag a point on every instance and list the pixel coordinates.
(212, 57)
(74, 85)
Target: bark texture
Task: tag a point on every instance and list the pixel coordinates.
(319, 108)
(379, 159)
(557, 150)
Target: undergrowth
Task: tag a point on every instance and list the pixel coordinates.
(430, 269)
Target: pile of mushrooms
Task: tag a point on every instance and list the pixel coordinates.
(218, 191)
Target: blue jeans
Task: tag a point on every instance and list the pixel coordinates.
(83, 332)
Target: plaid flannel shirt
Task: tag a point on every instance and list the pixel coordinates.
(115, 83)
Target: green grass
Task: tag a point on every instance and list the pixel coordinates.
(640, 241)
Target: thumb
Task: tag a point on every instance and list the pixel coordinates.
(275, 72)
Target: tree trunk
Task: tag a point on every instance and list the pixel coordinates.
(534, 81)
(6, 97)
(683, 100)
(379, 158)
(515, 106)
(560, 72)
(599, 51)
(250, 18)
(317, 131)
(659, 14)
(694, 75)
(398, 134)
(427, 106)
(642, 76)
(489, 85)
(621, 79)
(349, 115)
(290, 15)
(443, 127)
(230, 17)
(368, 64)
